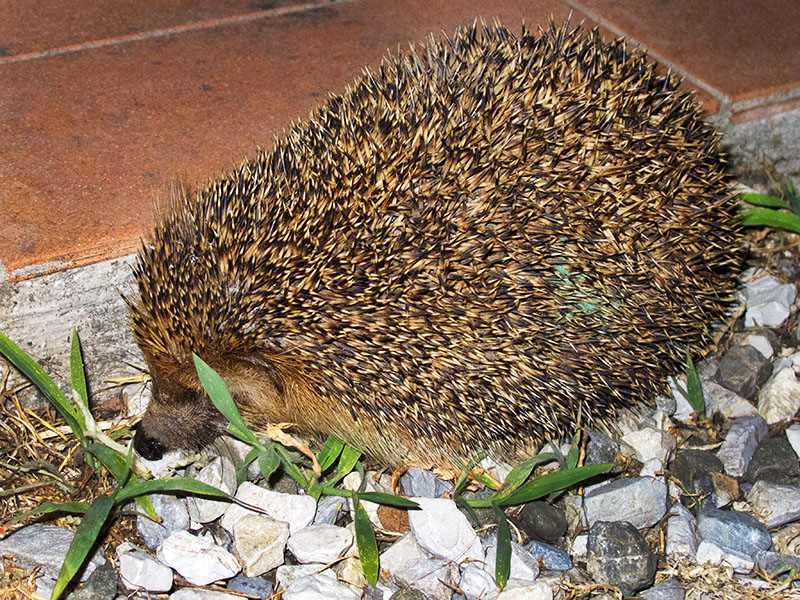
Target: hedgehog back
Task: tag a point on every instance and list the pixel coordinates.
(475, 242)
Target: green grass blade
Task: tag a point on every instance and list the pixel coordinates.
(574, 454)
(365, 540)
(485, 479)
(241, 472)
(216, 389)
(552, 482)
(330, 452)
(173, 484)
(502, 567)
(46, 385)
(765, 200)
(77, 370)
(765, 217)
(268, 461)
(388, 499)
(520, 473)
(111, 460)
(290, 468)
(85, 537)
(347, 460)
(694, 389)
(72, 508)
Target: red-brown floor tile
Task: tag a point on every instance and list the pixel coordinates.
(34, 27)
(741, 49)
(93, 138)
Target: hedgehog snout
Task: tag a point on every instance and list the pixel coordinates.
(148, 448)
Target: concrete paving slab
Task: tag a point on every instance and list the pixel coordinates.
(40, 314)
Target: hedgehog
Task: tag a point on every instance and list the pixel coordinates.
(480, 243)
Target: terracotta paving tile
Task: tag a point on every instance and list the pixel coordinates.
(93, 137)
(31, 27)
(740, 49)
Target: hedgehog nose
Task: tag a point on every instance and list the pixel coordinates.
(147, 447)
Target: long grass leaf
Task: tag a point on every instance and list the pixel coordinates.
(330, 452)
(388, 500)
(552, 482)
(765, 217)
(765, 200)
(46, 385)
(77, 370)
(85, 538)
(520, 473)
(268, 461)
(365, 541)
(173, 484)
(72, 508)
(347, 460)
(502, 567)
(694, 389)
(216, 389)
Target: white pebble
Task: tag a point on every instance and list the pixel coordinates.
(708, 552)
(773, 504)
(641, 501)
(516, 590)
(139, 570)
(443, 530)
(259, 542)
(681, 533)
(779, 398)
(320, 543)
(297, 511)
(651, 443)
(197, 560)
(221, 474)
(286, 575)
(319, 587)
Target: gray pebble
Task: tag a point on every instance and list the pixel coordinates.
(255, 586)
(732, 530)
(775, 461)
(552, 558)
(543, 521)
(419, 482)
(619, 556)
(669, 589)
(174, 517)
(743, 369)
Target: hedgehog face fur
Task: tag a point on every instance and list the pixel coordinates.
(465, 250)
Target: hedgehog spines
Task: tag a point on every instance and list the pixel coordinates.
(475, 242)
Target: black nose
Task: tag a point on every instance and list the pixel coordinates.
(147, 447)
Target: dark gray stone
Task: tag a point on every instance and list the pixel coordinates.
(255, 586)
(775, 563)
(424, 484)
(743, 370)
(552, 558)
(101, 585)
(669, 589)
(691, 464)
(618, 555)
(543, 521)
(733, 530)
(600, 448)
(774, 460)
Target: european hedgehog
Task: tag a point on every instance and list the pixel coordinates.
(477, 242)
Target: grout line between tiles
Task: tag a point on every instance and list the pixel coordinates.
(168, 31)
(722, 98)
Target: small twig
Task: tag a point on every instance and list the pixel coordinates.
(24, 488)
